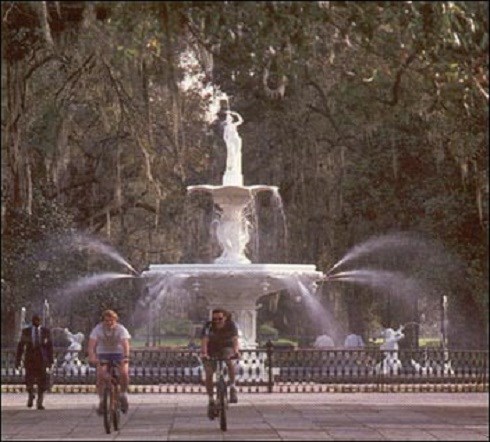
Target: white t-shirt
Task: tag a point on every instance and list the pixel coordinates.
(109, 341)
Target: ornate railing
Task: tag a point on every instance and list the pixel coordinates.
(269, 369)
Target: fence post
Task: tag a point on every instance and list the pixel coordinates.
(269, 346)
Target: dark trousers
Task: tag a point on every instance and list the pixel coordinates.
(36, 374)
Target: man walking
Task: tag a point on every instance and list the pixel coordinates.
(37, 346)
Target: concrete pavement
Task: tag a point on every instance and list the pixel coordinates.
(257, 416)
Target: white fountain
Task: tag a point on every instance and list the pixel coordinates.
(232, 281)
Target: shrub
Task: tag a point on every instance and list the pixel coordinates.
(267, 332)
(285, 344)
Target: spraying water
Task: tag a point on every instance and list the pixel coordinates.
(160, 288)
(394, 241)
(91, 243)
(279, 211)
(89, 282)
(320, 316)
(78, 241)
(394, 282)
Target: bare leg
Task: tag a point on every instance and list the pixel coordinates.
(101, 374)
(231, 371)
(124, 376)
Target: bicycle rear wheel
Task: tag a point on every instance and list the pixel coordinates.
(107, 409)
(222, 401)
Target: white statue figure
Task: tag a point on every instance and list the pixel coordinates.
(233, 143)
(324, 341)
(391, 364)
(71, 357)
(354, 341)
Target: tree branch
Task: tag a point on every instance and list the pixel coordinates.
(395, 90)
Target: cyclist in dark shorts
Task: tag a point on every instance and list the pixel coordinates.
(109, 340)
(219, 339)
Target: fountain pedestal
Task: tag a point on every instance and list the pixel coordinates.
(232, 179)
(232, 228)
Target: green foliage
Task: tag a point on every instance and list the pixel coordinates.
(27, 249)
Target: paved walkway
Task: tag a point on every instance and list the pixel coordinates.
(257, 416)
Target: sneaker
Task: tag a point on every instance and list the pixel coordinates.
(233, 395)
(211, 408)
(124, 403)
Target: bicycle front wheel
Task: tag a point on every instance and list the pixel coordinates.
(107, 409)
(222, 400)
(115, 407)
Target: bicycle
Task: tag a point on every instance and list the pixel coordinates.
(221, 404)
(111, 399)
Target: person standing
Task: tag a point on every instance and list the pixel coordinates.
(219, 339)
(109, 341)
(36, 346)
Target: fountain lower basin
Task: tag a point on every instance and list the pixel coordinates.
(235, 287)
(236, 279)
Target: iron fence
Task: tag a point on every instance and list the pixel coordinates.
(269, 369)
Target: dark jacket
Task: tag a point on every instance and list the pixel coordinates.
(35, 357)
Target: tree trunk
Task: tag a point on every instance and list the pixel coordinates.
(17, 180)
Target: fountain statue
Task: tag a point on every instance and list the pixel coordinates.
(232, 281)
(390, 364)
(233, 174)
(72, 361)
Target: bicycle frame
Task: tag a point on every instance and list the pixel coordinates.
(221, 394)
(111, 401)
(221, 404)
